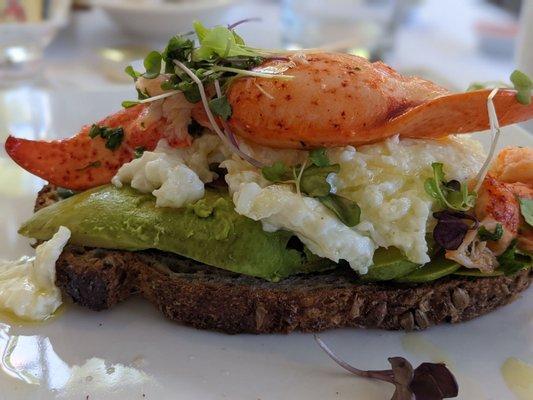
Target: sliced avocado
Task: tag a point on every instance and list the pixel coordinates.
(477, 273)
(208, 231)
(435, 269)
(388, 264)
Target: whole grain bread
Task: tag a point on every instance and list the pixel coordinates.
(210, 298)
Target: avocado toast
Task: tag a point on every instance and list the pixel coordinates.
(248, 191)
(196, 294)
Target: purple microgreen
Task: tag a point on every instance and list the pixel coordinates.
(433, 381)
(428, 381)
(403, 375)
(451, 228)
(243, 21)
(385, 375)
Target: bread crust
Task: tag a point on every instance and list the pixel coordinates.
(210, 298)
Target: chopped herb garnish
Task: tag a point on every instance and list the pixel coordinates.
(523, 86)
(476, 86)
(526, 208)
(192, 94)
(220, 106)
(312, 181)
(195, 129)
(512, 260)
(485, 234)
(277, 172)
(112, 136)
(318, 157)
(129, 103)
(345, 209)
(178, 48)
(453, 195)
(65, 193)
(94, 164)
(139, 152)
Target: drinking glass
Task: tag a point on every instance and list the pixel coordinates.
(26, 28)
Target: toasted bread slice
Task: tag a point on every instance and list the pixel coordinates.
(210, 298)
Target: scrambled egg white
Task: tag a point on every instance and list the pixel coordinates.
(385, 179)
(27, 286)
(278, 207)
(163, 175)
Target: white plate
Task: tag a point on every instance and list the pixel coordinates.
(131, 350)
(162, 19)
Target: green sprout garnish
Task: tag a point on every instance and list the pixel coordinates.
(484, 234)
(113, 136)
(452, 195)
(220, 106)
(138, 152)
(219, 54)
(312, 181)
(513, 260)
(523, 86)
(520, 82)
(526, 208)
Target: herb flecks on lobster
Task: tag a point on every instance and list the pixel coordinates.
(82, 161)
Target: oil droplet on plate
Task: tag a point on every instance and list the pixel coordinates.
(518, 376)
(416, 344)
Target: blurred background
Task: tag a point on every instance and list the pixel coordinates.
(87, 43)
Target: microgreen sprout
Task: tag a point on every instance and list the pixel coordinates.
(512, 260)
(427, 381)
(484, 234)
(526, 208)
(212, 120)
(453, 195)
(216, 57)
(495, 131)
(310, 179)
(523, 86)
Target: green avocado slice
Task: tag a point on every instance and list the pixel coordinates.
(431, 271)
(388, 264)
(477, 273)
(208, 231)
